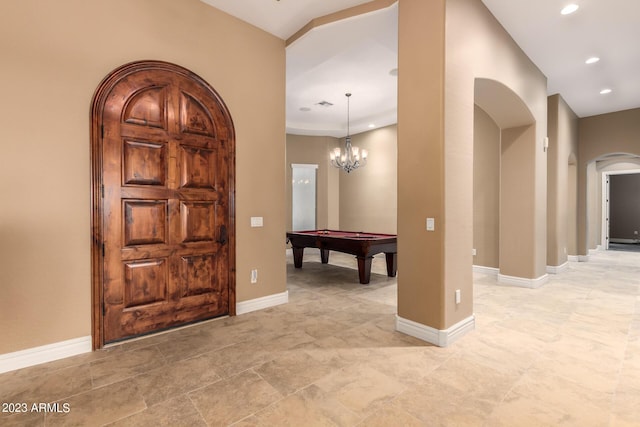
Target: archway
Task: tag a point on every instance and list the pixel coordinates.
(599, 171)
(504, 185)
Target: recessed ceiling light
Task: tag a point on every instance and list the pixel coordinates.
(570, 8)
(605, 91)
(371, 125)
(592, 60)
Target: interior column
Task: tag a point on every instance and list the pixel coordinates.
(421, 65)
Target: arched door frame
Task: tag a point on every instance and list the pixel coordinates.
(97, 109)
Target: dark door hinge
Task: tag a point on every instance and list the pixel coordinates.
(103, 249)
(104, 310)
(102, 188)
(101, 131)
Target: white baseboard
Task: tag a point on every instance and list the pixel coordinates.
(46, 353)
(60, 350)
(244, 307)
(557, 269)
(523, 282)
(441, 338)
(573, 258)
(486, 270)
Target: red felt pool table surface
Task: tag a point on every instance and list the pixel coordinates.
(361, 244)
(346, 234)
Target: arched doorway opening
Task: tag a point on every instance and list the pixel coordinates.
(599, 172)
(505, 238)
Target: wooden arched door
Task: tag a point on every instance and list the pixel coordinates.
(163, 202)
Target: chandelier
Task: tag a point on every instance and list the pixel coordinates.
(353, 157)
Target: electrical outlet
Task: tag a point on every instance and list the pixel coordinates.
(254, 276)
(474, 252)
(458, 298)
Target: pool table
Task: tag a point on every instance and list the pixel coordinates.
(363, 245)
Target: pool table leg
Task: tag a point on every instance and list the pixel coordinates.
(364, 269)
(392, 263)
(324, 255)
(297, 256)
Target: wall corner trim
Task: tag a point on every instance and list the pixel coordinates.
(441, 338)
(486, 270)
(244, 307)
(523, 282)
(557, 269)
(46, 353)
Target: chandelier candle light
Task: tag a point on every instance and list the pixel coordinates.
(353, 157)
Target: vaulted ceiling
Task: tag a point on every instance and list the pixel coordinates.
(358, 54)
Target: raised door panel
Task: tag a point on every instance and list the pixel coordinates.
(145, 222)
(145, 282)
(194, 117)
(198, 221)
(198, 275)
(198, 168)
(144, 163)
(147, 107)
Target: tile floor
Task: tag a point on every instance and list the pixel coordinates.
(566, 354)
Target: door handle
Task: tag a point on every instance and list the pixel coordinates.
(222, 235)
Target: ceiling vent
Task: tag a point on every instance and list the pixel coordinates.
(325, 103)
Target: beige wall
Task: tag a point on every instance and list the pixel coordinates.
(54, 55)
(517, 254)
(435, 151)
(572, 207)
(363, 200)
(486, 189)
(600, 136)
(421, 38)
(477, 47)
(561, 198)
(594, 201)
(368, 196)
(315, 150)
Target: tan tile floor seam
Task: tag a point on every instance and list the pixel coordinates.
(246, 393)
(189, 396)
(179, 412)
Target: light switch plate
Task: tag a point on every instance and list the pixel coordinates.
(256, 221)
(431, 224)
